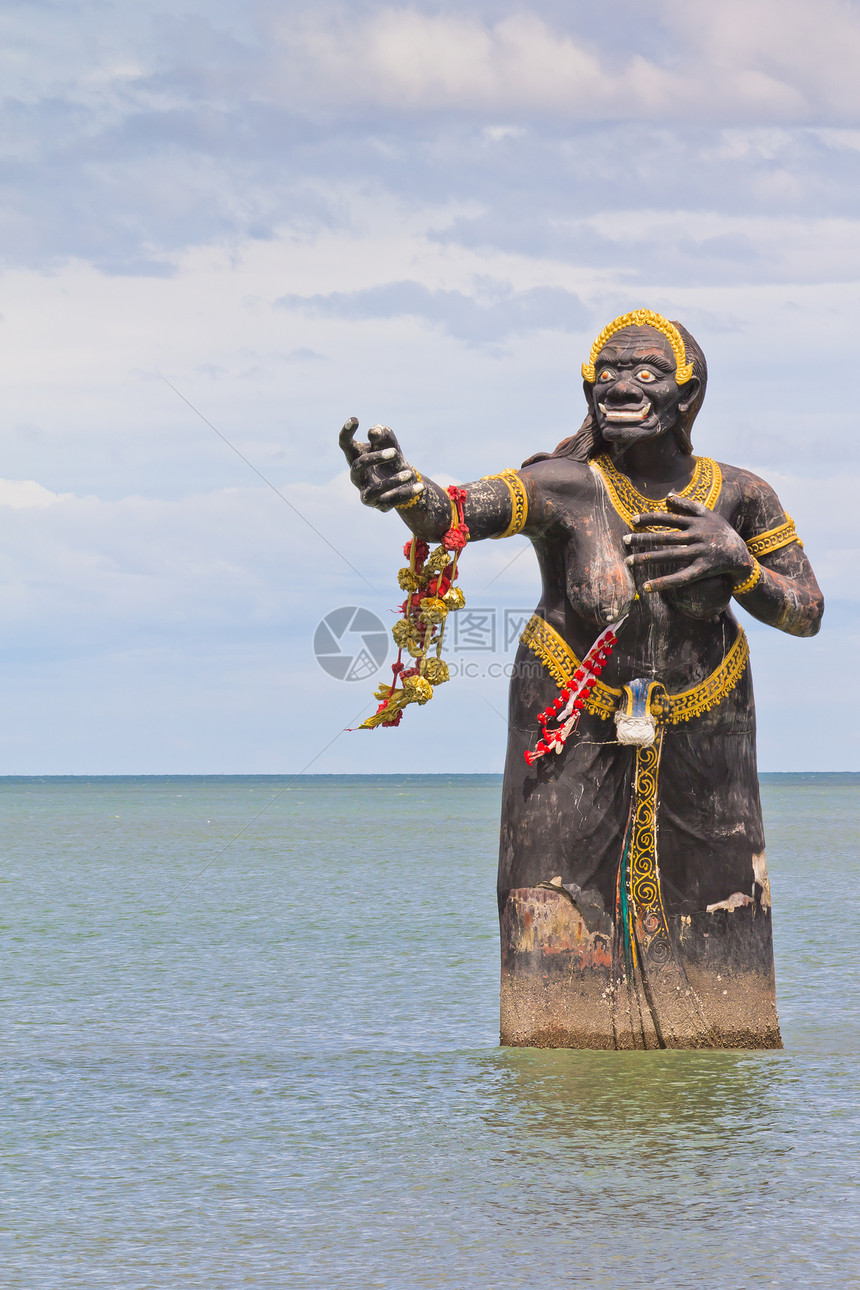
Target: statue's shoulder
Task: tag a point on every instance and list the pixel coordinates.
(750, 500)
(560, 475)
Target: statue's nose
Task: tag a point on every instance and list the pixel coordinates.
(623, 390)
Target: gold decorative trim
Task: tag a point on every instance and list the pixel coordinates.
(561, 663)
(748, 583)
(519, 502)
(710, 692)
(704, 487)
(645, 893)
(404, 506)
(657, 978)
(642, 318)
(774, 539)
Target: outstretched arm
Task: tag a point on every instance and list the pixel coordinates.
(386, 481)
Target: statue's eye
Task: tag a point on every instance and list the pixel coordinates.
(605, 375)
(644, 375)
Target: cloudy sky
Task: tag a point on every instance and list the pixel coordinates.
(273, 217)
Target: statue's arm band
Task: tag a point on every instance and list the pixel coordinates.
(404, 506)
(748, 583)
(519, 501)
(774, 539)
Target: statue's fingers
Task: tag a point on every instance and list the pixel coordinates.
(406, 476)
(665, 553)
(382, 437)
(685, 505)
(376, 489)
(405, 493)
(346, 440)
(361, 474)
(384, 498)
(399, 496)
(376, 457)
(693, 573)
(647, 541)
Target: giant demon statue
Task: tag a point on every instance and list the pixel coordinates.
(633, 892)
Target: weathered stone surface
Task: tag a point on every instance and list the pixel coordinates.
(558, 989)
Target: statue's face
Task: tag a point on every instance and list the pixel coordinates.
(635, 395)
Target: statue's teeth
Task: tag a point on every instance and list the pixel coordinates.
(639, 415)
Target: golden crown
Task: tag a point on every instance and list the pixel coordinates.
(643, 318)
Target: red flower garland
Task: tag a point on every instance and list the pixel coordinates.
(567, 707)
(424, 611)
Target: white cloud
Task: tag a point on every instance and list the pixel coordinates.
(794, 56)
(416, 60)
(767, 61)
(26, 494)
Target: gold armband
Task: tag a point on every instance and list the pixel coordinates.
(748, 583)
(404, 506)
(519, 501)
(774, 539)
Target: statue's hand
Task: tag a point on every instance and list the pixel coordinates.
(703, 543)
(378, 469)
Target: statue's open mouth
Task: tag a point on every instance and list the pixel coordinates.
(623, 415)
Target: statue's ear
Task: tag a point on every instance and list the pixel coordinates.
(588, 391)
(689, 393)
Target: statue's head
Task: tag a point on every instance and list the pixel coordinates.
(645, 377)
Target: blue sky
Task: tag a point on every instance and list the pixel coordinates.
(413, 214)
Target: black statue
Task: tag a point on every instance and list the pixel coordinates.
(633, 891)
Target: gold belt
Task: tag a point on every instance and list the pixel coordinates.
(561, 663)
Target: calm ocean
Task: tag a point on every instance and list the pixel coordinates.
(287, 1074)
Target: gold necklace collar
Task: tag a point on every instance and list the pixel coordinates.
(704, 487)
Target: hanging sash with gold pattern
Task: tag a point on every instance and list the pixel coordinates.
(653, 1003)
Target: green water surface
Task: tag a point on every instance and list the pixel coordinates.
(287, 1074)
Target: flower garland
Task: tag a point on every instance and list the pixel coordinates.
(567, 707)
(428, 580)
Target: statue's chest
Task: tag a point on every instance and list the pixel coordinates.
(601, 588)
(599, 584)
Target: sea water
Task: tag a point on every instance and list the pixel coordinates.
(250, 1038)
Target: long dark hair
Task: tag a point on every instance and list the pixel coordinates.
(588, 441)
